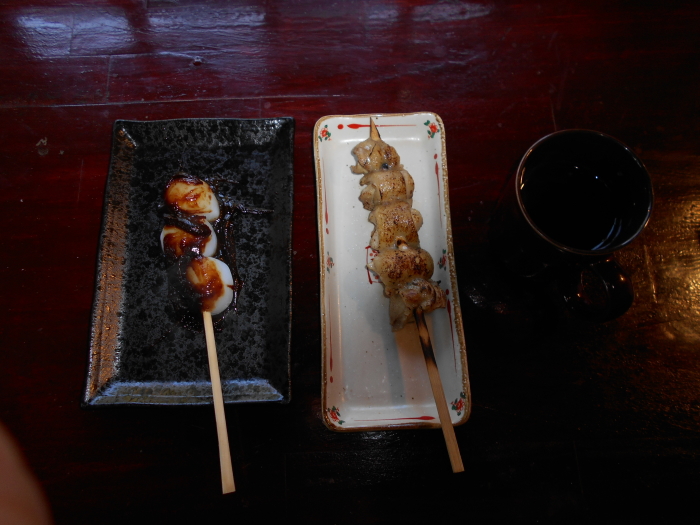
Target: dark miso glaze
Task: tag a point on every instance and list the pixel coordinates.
(189, 300)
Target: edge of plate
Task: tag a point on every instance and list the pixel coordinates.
(105, 317)
(108, 298)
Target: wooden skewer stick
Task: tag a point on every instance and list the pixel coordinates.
(227, 484)
(438, 393)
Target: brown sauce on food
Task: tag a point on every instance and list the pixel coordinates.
(178, 242)
(188, 299)
(188, 194)
(205, 281)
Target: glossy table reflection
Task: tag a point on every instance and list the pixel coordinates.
(572, 422)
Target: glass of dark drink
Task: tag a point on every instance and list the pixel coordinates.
(576, 197)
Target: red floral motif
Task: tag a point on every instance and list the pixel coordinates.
(432, 128)
(324, 134)
(442, 262)
(459, 403)
(334, 414)
(329, 262)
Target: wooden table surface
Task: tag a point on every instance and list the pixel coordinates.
(572, 422)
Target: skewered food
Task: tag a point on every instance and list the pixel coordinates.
(199, 225)
(375, 155)
(189, 195)
(402, 266)
(176, 241)
(201, 286)
(198, 281)
(386, 186)
(212, 282)
(395, 224)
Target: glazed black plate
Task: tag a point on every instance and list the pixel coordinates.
(139, 353)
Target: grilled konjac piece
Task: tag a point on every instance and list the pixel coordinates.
(402, 266)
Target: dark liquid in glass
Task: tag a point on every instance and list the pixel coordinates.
(573, 205)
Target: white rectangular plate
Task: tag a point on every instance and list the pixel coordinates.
(374, 378)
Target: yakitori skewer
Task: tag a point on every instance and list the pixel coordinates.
(403, 267)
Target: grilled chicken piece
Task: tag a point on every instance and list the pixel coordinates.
(396, 267)
(422, 293)
(386, 186)
(373, 155)
(395, 224)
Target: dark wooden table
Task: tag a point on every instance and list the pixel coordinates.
(572, 421)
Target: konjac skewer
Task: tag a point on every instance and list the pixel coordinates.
(404, 269)
(189, 239)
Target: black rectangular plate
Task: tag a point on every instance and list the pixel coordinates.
(139, 353)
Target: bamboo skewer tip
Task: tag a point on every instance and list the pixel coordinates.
(373, 133)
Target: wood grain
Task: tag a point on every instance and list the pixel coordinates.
(571, 423)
